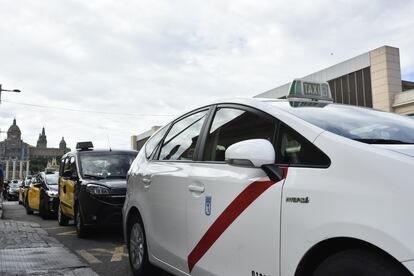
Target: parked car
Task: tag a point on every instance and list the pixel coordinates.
(42, 195)
(12, 192)
(92, 186)
(299, 186)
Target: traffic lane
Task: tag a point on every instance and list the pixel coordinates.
(104, 249)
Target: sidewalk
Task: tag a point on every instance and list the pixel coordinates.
(27, 249)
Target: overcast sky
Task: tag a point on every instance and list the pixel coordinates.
(151, 58)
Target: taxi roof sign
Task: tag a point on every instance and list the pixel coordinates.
(309, 90)
(84, 145)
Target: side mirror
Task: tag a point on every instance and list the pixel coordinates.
(253, 153)
(67, 174)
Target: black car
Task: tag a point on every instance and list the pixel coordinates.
(12, 192)
(92, 186)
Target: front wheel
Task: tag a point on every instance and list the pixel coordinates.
(81, 229)
(359, 262)
(28, 210)
(62, 219)
(42, 209)
(137, 249)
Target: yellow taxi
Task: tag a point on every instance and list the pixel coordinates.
(42, 194)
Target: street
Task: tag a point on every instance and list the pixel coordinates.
(104, 250)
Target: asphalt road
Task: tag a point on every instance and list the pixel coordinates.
(104, 250)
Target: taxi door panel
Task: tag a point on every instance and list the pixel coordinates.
(34, 197)
(163, 209)
(66, 195)
(233, 226)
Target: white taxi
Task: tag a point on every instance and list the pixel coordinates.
(292, 187)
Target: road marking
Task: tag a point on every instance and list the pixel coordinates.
(69, 233)
(88, 256)
(53, 228)
(116, 254)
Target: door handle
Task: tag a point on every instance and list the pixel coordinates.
(197, 189)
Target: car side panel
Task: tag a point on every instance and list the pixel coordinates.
(250, 244)
(66, 195)
(350, 199)
(34, 197)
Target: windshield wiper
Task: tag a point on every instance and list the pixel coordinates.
(381, 141)
(116, 176)
(93, 176)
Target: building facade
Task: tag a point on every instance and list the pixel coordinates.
(15, 154)
(138, 141)
(372, 79)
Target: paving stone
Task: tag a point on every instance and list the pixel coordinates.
(27, 249)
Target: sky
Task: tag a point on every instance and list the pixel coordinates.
(103, 70)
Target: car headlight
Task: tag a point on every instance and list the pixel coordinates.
(52, 193)
(97, 189)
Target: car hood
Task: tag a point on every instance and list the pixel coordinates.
(53, 187)
(403, 149)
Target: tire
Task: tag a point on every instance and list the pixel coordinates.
(28, 210)
(137, 249)
(359, 262)
(42, 209)
(81, 229)
(62, 219)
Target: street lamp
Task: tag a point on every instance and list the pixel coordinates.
(6, 90)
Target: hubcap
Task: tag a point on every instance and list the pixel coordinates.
(136, 246)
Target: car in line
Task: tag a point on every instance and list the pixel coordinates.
(298, 186)
(42, 195)
(12, 192)
(92, 187)
(23, 189)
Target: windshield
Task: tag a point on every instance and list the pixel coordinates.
(361, 124)
(52, 179)
(106, 165)
(14, 185)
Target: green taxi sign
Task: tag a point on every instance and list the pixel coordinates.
(308, 90)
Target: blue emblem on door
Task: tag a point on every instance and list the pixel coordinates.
(208, 206)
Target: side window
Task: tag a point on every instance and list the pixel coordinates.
(182, 138)
(72, 165)
(153, 142)
(232, 125)
(293, 149)
(66, 166)
(62, 165)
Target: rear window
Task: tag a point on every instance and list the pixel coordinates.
(356, 123)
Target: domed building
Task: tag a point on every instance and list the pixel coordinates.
(15, 154)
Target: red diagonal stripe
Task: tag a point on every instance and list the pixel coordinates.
(229, 215)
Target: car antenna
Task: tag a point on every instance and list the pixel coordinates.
(109, 143)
